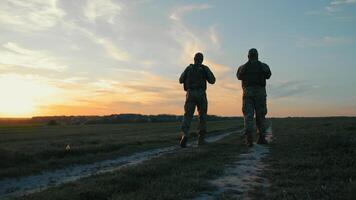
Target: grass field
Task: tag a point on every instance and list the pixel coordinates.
(29, 149)
(181, 175)
(310, 158)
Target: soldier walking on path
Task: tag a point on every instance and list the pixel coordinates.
(253, 75)
(194, 79)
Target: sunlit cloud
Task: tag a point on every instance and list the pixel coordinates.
(192, 42)
(181, 10)
(109, 46)
(26, 15)
(14, 54)
(142, 94)
(106, 9)
(112, 50)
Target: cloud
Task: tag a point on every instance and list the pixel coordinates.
(180, 11)
(289, 88)
(74, 47)
(334, 5)
(110, 48)
(214, 36)
(192, 42)
(142, 88)
(113, 51)
(333, 8)
(339, 2)
(326, 41)
(141, 94)
(14, 54)
(105, 9)
(206, 40)
(29, 15)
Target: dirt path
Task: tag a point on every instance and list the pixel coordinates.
(14, 187)
(242, 176)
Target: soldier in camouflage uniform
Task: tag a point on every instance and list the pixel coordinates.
(253, 75)
(194, 79)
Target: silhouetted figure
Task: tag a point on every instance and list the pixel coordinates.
(194, 79)
(253, 75)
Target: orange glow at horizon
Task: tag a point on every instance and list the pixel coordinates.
(21, 95)
(27, 96)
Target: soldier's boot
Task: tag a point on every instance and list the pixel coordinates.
(183, 141)
(201, 138)
(261, 139)
(248, 140)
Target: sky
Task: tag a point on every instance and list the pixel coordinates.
(100, 57)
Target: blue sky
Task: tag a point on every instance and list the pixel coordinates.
(107, 56)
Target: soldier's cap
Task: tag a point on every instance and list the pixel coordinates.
(253, 52)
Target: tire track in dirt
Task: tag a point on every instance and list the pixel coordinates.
(14, 187)
(241, 176)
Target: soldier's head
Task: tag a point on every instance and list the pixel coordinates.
(198, 58)
(253, 54)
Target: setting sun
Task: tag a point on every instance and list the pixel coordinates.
(21, 95)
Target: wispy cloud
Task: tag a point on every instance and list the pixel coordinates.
(105, 9)
(205, 40)
(339, 2)
(326, 41)
(192, 42)
(290, 88)
(25, 15)
(214, 37)
(109, 46)
(334, 5)
(178, 12)
(332, 8)
(14, 54)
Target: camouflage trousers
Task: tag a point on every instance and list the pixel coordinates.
(195, 98)
(254, 102)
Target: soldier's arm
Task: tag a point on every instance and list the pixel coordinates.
(183, 76)
(240, 72)
(209, 75)
(267, 71)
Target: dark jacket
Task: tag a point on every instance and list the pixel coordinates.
(196, 76)
(253, 73)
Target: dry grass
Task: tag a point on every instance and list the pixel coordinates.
(29, 149)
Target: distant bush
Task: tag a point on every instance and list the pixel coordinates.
(52, 122)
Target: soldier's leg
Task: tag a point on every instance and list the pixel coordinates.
(261, 111)
(248, 111)
(202, 110)
(189, 108)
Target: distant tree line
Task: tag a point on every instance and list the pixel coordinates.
(116, 119)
